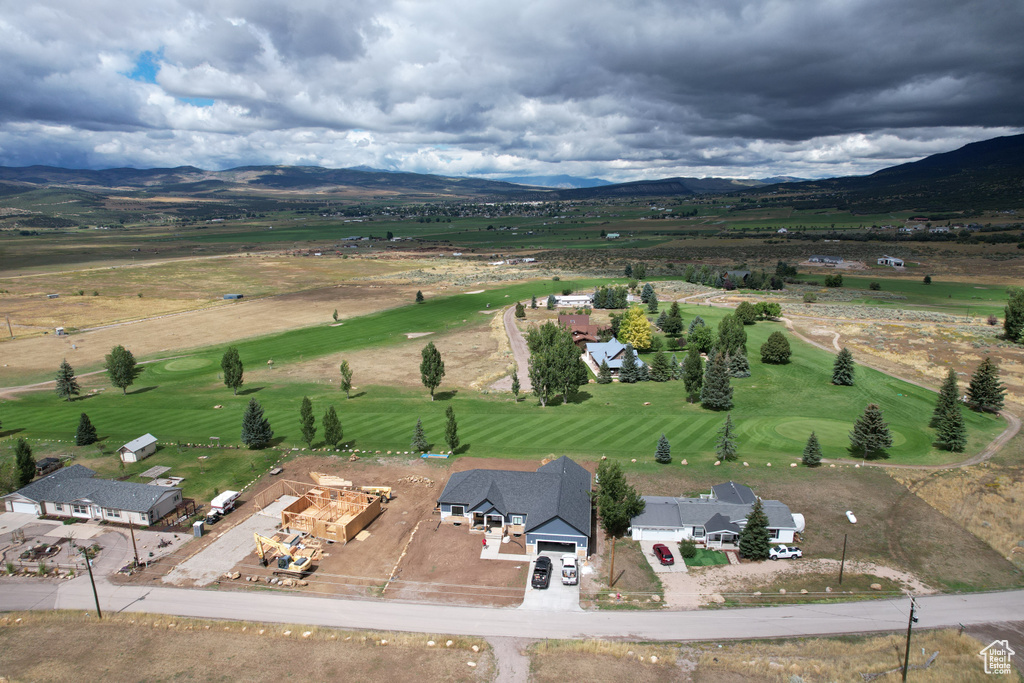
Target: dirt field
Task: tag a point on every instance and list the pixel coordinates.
(168, 648)
(473, 357)
(222, 322)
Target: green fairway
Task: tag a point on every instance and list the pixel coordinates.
(775, 409)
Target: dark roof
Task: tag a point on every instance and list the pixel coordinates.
(559, 489)
(46, 462)
(719, 523)
(573, 320)
(731, 492)
(76, 484)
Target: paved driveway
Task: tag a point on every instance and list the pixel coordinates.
(224, 553)
(678, 568)
(557, 597)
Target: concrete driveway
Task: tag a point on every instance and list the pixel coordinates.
(678, 568)
(557, 597)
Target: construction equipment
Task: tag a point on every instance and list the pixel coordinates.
(292, 559)
(382, 491)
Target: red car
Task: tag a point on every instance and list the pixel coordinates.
(663, 554)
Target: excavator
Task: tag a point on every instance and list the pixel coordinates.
(292, 559)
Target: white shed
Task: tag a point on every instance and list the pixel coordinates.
(138, 449)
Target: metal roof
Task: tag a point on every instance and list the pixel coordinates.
(140, 443)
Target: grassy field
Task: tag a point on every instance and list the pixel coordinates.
(635, 586)
(957, 298)
(178, 649)
(706, 558)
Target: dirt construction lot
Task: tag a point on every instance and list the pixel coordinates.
(407, 555)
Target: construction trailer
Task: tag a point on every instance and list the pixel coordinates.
(327, 512)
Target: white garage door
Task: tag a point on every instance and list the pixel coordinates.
(663, 535)
(24, 507)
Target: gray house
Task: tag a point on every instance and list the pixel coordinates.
(715, 519)
(550, 506)
(74, 492)
(829, 260)
(612, 352)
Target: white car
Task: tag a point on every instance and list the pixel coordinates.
(784, 552)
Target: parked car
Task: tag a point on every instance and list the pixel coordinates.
(663, 554)
(541, 572)
(570, 576)
(782, 552)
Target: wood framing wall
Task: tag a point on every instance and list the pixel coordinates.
(330, 513)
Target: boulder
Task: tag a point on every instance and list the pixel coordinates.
(717, 599)
(876, 586)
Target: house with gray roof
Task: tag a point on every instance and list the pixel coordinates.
(75, 492)
(714, 519)
(612, 352)
(551, 506)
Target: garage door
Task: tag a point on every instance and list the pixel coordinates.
(552, 547)
(25, 507)
(663, 535)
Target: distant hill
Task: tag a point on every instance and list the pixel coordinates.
(981, 175)
(564, 182)
(661, 188)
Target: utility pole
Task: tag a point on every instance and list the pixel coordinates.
(842, 563)
(9, 330)
(95, 595)
(910, 624)
(131, 530)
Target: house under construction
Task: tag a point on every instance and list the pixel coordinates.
(326, 512)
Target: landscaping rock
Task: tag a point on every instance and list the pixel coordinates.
(717, 599)
(803, 591)
(782, 591)
(876, 586)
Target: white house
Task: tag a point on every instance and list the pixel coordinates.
(890, 261)
(138, 449)
(574, 300)
(782, 231)
(714, 519)
(74, 492)
(612, 236)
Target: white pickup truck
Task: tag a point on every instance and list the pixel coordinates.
(782, 552)
(570, 575)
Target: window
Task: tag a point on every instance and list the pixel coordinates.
(698, 532)
(459, 510)
(58, 507)
(79, 509)
(115, 514)
(774, 533)
(517, 520)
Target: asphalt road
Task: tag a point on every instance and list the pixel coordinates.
(519, 351)
(770, 622)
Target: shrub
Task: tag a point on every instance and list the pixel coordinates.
(993, 321)
(687, 549)
(776, 350)
(810, 298)
(874, 286)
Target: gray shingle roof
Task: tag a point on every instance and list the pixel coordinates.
(559, 489)
(75, 484)
(681, 512)
(731, 492)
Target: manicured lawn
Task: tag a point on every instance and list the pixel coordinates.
(706, 558)
(957, 298)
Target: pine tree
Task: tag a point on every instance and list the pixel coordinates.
(812, 451)
(951, 430)
(86, 433)
(652, 304)
(604, 375)
(755, 539)
(949, 397)
(660, 370)
(520, 311)
(515, 386)
(431, 368)
(739, 366)
(675, 370)
(67, 385)
(870, 436)
(776, 350)
(646, 293)
(346, 378)
(307, 423)
(664, 451)
(451, 430)
(552, 302)
(986, 392)
(693, 374)
(419, 297)
(842, 370)
(24, 463)
(731, 335)
(231, 365)
(256, 431)
(716, 393)
(1013, 315)
(333, 432)
(533, 302)
(746, 312)
(726, 445)
(121, 367)
(419, 439)
(335, 315)
(695, 323)
(642, 373)
(673, 324)
(630, 370)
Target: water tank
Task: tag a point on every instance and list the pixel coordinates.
(798, 520)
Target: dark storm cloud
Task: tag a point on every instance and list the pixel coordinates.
(620, 90)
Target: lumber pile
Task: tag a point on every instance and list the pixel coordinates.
(329, 480)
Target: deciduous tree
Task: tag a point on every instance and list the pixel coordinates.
(67, 385)
(346, 378)
(121, 367)
(617, 504)
(870, 436)
(520, 311)
(746, 312)
(776, 349)
(307, 423)
(515, 386)
(419, 296)
(333, 432)
(231, 365)
(431, 368)
(635, 329)
(702, 338)
(1013, 314)
(451, 430)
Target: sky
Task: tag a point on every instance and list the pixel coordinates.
(616, 89)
